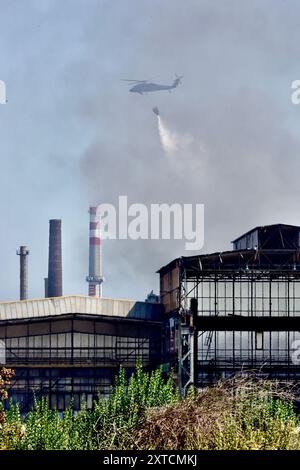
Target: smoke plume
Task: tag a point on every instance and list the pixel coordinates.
(229, 136)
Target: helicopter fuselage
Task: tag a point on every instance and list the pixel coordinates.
(149, 87)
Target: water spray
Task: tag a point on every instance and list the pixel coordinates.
(169, 140)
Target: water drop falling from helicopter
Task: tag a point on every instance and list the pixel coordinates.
(169, 140)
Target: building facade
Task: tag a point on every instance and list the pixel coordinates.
(70, 348)
(235, 310)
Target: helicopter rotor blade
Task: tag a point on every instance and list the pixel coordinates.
(133, 81)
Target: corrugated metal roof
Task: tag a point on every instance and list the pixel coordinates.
(259, 227)
(76, 304)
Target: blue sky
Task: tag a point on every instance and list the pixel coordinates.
(71, 135)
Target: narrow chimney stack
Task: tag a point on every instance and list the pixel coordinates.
(94, 278)
(23, 252)
(46, 286)
(54, 288)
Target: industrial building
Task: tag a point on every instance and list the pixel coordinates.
(235, 310)
(217, 314)
(72, 347)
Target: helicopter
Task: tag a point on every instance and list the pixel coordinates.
(143, 86)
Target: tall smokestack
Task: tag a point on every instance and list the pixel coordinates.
(46, 286)
(94, 278)
(23, 253)
(55, 260)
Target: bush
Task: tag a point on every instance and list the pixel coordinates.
(241, 413)
(145, 412)
(5, 380)
(127, 405)
(108, 425)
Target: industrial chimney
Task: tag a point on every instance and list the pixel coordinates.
(46, 286)
(94, 278)
(55, 260)
(23, 253)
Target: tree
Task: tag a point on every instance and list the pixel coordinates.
(5, 381)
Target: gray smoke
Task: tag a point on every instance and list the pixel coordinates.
(226, 141)
(72, 135)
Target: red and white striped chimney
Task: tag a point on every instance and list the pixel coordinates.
(94, 278)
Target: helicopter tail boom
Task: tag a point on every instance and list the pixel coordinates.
(177, 81)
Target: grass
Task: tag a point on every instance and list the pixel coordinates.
(146, 413)
(243, 413)
(109, 425)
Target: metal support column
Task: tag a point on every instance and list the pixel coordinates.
(188, 349)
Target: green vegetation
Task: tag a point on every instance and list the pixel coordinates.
(237, 414)
(110, 425)
(5, 379)
(146, 413)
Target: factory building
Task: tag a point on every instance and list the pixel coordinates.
(217, 314)
(235, 310)
(72, 347)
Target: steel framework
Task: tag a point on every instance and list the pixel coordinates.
(75, 357)
(236, 310)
